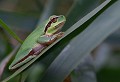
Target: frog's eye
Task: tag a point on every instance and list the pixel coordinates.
(54, 20)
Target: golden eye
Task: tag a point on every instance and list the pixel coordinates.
(52, 17)
(54, 20)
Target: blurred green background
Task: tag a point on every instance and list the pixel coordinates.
(23, 15)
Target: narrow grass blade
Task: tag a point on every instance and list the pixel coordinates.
(83, 44)
(79, 9)
(69, 31)
(10, 31)
(53, 53)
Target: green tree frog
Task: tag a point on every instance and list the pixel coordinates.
(38, 40)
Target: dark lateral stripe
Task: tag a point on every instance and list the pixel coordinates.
(53, 20)
(35, 51)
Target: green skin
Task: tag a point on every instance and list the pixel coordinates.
(38, 40)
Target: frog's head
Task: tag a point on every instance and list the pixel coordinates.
(55, 23)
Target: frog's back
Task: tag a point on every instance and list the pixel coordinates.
(29, 43)
(31, 40)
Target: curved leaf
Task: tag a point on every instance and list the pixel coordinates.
(79, 10)
(83, 44)
(68, 32)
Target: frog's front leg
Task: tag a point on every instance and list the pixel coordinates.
(49, 39)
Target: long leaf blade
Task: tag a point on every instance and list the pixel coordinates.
(81, 45)
(10, 31)
(74, 14)
(79, 23)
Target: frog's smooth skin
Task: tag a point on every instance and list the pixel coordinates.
(38, 40)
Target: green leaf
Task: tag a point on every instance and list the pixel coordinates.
(10, 31)
(54, 52)
(83, 44)
(68, 32)
(74, 17)
(79, 10)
